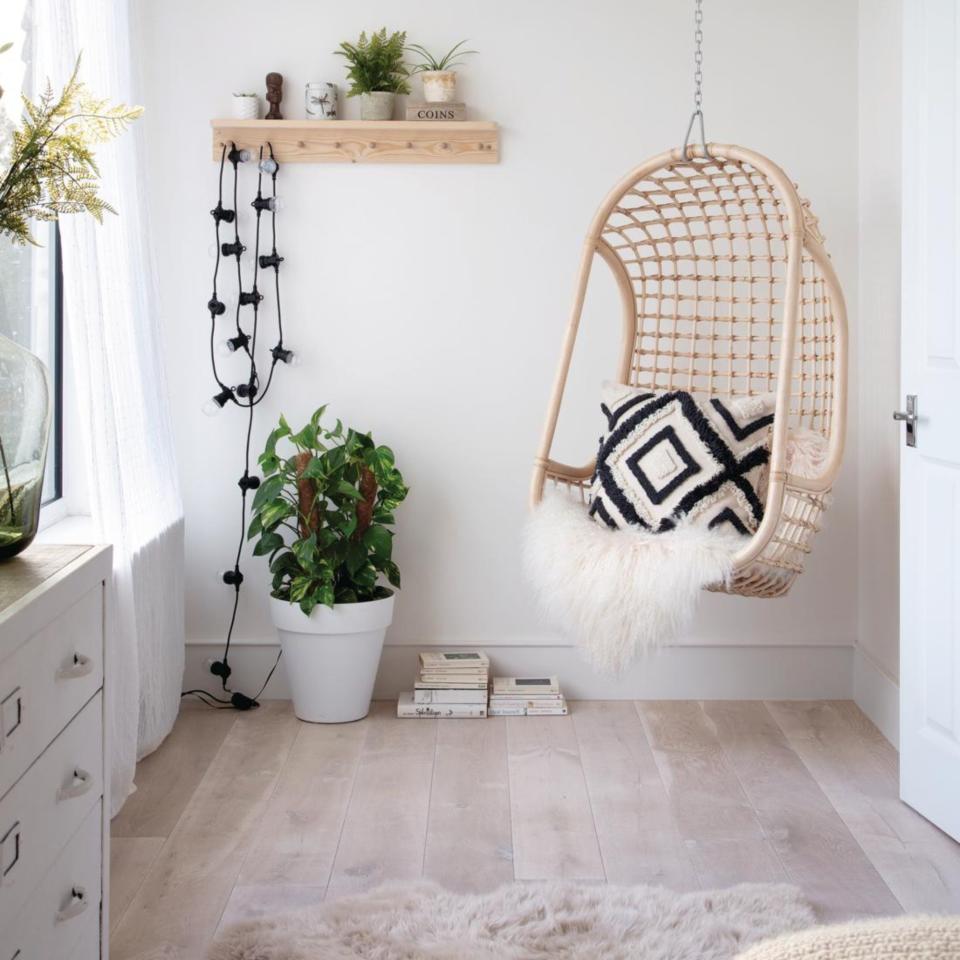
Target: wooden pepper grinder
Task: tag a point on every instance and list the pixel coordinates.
(274, 95)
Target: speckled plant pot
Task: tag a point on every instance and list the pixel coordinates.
(439, 86)
(377, 105)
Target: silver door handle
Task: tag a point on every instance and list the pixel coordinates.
(911, 417)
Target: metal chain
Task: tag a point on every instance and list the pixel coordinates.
(698, 56)
(697, 114)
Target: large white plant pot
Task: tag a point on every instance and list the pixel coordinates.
(332, 656)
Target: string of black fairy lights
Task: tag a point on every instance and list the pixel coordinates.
(248, 393)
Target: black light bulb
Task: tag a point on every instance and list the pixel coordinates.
(270, 260)
(246, 390)
(220, 213)
(236, 156)
(238, 342)
(252, 297)
(246, 482)
(282, 355)
(260, 203)
(216, 403)
(215, 306)
(234, 249)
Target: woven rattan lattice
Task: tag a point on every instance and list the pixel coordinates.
(726, 289)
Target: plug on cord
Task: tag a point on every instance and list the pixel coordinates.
(220, 668)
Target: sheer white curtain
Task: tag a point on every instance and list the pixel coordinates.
(111, 312)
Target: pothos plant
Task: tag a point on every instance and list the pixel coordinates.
(323, 513)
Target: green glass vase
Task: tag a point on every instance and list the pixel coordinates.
(25, 393)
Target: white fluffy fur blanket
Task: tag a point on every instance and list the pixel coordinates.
(619, 592)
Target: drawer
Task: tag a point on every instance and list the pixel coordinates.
(46, 682)
(47, 805)
(64, 907)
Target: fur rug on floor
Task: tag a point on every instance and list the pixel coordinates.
(524, 921)
(618, 593)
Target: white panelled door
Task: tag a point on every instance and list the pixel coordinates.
(930, 371)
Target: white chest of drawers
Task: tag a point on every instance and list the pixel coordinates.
(54, 830)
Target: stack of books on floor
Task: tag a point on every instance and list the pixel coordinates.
(527, 697)
(450, 684)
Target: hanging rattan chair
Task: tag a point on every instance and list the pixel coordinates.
(727, 290)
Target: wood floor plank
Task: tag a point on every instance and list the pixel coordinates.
(639, 839)
(814, 845)
(256, 901)
(713, 815)
(384, 832)
(296, 840)
(130, 861)
(166, 778)
(919, 864)
(178, 906)
(554, 836)
(469, 845)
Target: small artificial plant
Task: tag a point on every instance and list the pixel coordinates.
(51, 169)
(429, 63)
(376, 63)
(323, 515)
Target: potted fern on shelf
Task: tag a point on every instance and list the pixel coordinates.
(376, 72)
(323, 515)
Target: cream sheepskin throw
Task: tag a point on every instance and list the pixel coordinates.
(535, 921)
(897, 938)
(619, 593)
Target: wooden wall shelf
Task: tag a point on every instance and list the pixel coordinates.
(363, 141)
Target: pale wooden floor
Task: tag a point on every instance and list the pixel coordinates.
(244, 814)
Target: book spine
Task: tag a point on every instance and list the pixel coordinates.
(456, 685)
(450, 696)
(506, 711)
(453, 711)
(551, 702)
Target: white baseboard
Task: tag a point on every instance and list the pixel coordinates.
(877, 694)
(673, 673)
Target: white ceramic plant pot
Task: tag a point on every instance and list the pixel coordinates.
(377, 105)
(332, 656)
(439, 86)
(246, 106)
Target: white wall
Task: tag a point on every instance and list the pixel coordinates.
(429, 302)
(878, 351)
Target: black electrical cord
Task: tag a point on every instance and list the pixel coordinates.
(247, 395)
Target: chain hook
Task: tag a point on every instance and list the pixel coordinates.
(697, 114)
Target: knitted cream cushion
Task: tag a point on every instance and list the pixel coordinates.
(915, 938)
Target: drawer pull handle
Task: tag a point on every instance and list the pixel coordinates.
(78, 903)
(79, 784)
(80, 667)
(9, 850)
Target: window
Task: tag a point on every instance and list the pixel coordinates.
(31, 313)
(31, 277)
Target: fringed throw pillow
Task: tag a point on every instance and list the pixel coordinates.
(671, 457)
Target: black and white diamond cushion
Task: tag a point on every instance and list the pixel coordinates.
(672, 457)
